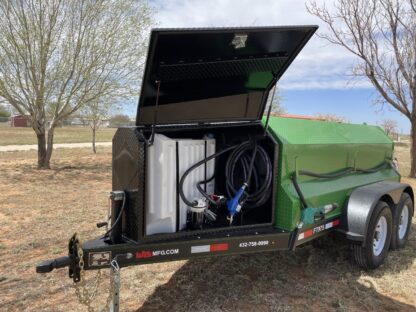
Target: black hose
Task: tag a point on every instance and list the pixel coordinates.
(258, 195)
(344, 172)
(258, 191)
(202, 191)
(199, 163)
(326, 175)
(298, 191)
(375, 169)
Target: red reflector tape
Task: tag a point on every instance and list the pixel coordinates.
(209, 248)
(219, 247)
(308, 233)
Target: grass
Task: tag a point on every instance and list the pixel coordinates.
(403, 156)
(21, 136)
(40, 210)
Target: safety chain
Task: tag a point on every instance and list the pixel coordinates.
(86, 294)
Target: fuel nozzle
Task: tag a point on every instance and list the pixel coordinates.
(235, 203)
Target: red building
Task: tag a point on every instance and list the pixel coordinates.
(19, 121)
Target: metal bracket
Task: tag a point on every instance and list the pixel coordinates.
(115, 282)
(152, 136)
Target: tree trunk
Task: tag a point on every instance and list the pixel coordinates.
(42, 164)
(413, 150)
(49, 147)
(93, 141)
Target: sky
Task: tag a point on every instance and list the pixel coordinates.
(319, 79)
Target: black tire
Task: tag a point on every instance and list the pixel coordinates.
(399, 241)
(365, 256)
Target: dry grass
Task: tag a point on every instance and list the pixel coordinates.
(403, 156)
(20, 136)
(39, 211)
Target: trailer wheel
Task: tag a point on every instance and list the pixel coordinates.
(402, 221)
(378, 238)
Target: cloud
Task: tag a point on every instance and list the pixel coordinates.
(318, 66)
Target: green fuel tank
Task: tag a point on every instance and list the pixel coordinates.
(324, 147)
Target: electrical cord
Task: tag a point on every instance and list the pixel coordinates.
(118, 217)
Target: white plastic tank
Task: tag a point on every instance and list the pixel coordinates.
(190, 152)
(161, 186)
(167, 160)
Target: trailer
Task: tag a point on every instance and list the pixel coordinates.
(206, 172)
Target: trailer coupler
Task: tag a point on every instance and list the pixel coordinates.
(72, 261)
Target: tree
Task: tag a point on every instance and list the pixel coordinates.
(119, 120)
(57, 56)
(94, 114)
(389, 126)
(382, 35)
(4, 112)
(277, 107)
(332, 117)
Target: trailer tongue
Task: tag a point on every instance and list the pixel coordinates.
(203, 173)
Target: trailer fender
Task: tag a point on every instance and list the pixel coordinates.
(361, 203)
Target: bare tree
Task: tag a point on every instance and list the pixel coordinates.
(94, 114)
(119, 120)
(332, 117)
(57, 56)
(275, 99)
(389, 126)
(382, 34)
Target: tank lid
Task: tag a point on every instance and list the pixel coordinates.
(215, 74)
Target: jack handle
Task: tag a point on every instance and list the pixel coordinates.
(48, 265)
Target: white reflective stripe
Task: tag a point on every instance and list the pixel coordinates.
(199, 249)
(329, 225)
(301, 236)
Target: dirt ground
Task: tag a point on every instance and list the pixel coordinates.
(40, 210)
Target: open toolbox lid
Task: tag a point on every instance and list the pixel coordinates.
(215, 74)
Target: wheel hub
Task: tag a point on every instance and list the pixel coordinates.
(380, 235)
(403, 222)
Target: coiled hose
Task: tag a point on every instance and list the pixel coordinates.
(245, 159)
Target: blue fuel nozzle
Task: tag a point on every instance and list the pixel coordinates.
(234, 204)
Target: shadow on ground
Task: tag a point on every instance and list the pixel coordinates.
(317, 277)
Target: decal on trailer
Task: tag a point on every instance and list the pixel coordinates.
(318, 229)
(143, 254)
(99, 258)
(209, 248)
(254, 244)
